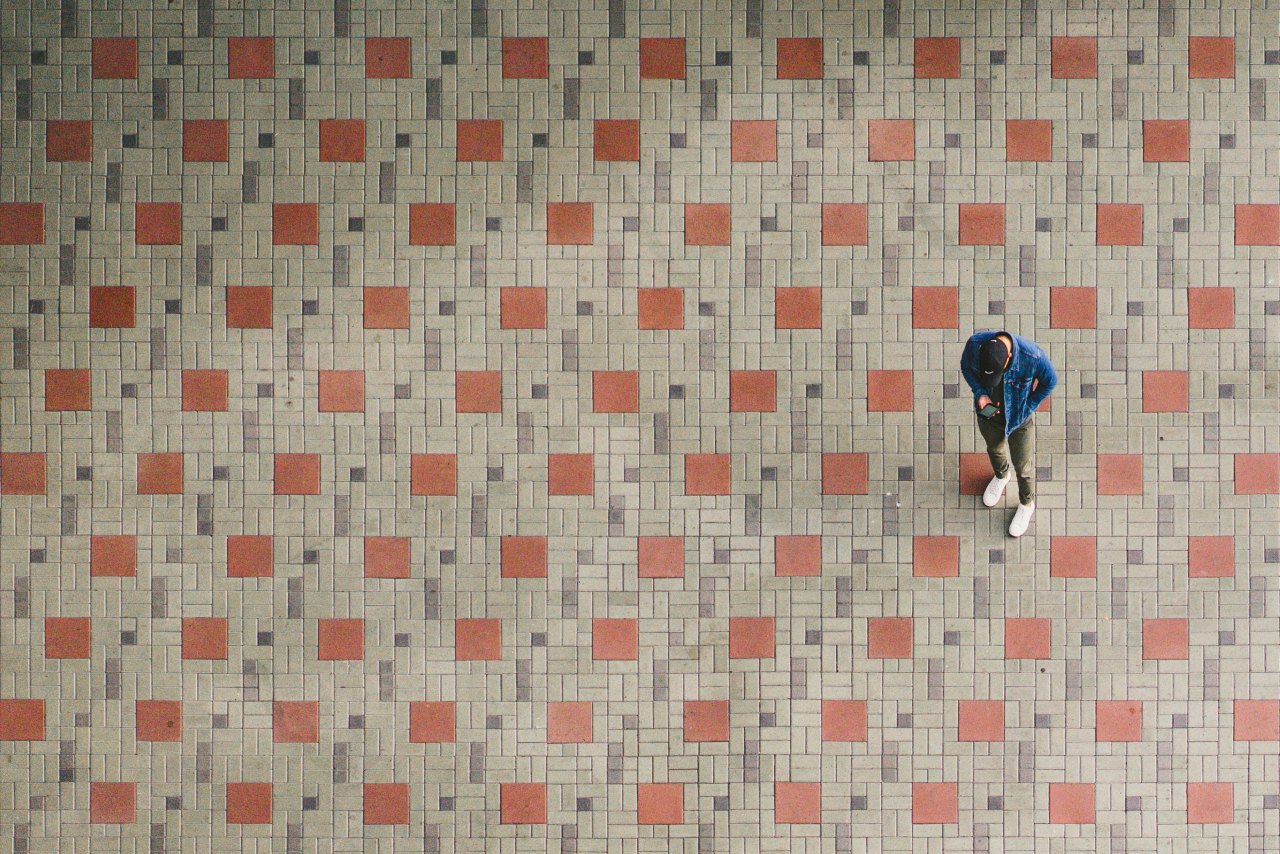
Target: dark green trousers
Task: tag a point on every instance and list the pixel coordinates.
(1020, 444)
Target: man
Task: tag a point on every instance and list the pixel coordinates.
(1010, 377)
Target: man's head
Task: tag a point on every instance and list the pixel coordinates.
(993, 358)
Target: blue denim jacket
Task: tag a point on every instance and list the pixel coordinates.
(1029, 364)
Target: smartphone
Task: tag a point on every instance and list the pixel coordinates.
(988, 411)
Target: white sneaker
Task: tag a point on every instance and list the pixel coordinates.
(995, 489)
(1021, 519)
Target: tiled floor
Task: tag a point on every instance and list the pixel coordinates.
(462, 427)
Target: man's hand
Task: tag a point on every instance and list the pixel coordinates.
(984, 401)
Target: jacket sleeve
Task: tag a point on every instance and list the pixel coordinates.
(1047, 381)
(967, 360)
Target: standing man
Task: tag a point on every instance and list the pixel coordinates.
(1010, 377)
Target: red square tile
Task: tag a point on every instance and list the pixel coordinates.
(844, 474)
(478, 391)
(113, 803)
(111, 307)
(889, 391)
(115, 58)
(1028, 140)
(1165, 391)
(659, 803)
(570, 223)
(387, 557)
(1071, 803)
(660, 557)
(295, 224)
(706, 720)
(525, 59)
(204, 391)
(753, 391)
(113, 556)
(248, 307)
(432, 224)
(615, 391)
(800, 59)
(250, 556)
(1211, 557)
(844, 224)
(479, 140)
(981, 720)
(982, 225)
(297, 474)
(386, 803)
(68, 390)
(1211, 57)
(388, 58)
(22, 473)
(937, 58)
(1256, 720)
(797, 308)
(21, 720)
(1119, 225)
(248, 803)
(797, 803)
(935, 803)
(660, 308)
(386, 308)
(571, 474)
(68, 141)
(1210, 803)
(1166, 141)
(158, 720)
(1211, 308)
(614, 639)
(340, 640)
(753, 141)
(157, 223)
(204, 638)
(844, 720)
(751, 637)
(707, 225)
(160, 474)
(569, 723)
(434, 474)
(206, 141)
(1073, 557)
(1166, 639)
(1118, 720)
(935, 308)
(295, 722)
(342, 140)
(251, 58)
(67, 637)
(1075, 57)
(975, 473)
(662, 59)
(21, 223)
(798, 555)
(1028, 637)
(1257, 474)
(1256, 225)
(432, 722)
(523, 803)
(477, 639)
(891, 139)
(889, 637)
(617, 140)
(524, 557)
(341, 391)
(1119, 474)
(1073, 308)
(935, 556)
(707, 474)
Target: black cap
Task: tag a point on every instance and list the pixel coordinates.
(992, 358)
